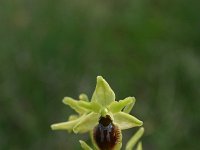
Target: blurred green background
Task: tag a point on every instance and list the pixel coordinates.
(51, 49)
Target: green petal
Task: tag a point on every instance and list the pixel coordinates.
(129, 107)
(74, 105)
(103, 93)
(83, 97)
(84, 145)
(126, 121)
(68, 125)
(87, 123)
(127, 103)
(131, 143)
(91, 106)
(73, 117)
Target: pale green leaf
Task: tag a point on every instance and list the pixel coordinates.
(84, 145)
(139, 146)
(131, 143)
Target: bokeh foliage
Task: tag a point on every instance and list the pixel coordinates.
(51, 49)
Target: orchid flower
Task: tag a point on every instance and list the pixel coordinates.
(104, 118)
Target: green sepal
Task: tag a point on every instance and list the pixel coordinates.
(103, 93)
(74, 105)
(126, 121)
(68, 125)
(87, 123)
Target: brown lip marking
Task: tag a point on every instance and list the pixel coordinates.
(106, 134)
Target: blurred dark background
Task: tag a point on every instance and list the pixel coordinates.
(51, 49)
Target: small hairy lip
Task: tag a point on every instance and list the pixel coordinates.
(106, 134)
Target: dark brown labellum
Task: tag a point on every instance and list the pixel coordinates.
(106, 134)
